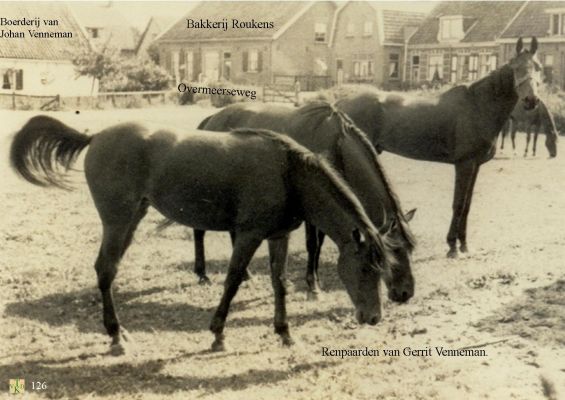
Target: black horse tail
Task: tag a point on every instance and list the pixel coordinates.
(41, 146)
(204, 122)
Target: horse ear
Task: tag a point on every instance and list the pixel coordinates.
(519, 45)
(409, 215)
(534, 45)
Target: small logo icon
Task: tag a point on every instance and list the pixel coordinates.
(17, 386)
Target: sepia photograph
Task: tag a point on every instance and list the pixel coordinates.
(282, 200)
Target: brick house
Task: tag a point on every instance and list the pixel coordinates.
(296, 45)
(369, 44)
(546, 21)
(458, 41)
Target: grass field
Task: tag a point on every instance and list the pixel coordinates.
(506, 295)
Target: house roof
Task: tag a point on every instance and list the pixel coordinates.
(43, 48)
(280, 13)
(115, 28)
(533, 20)
(394, 23)
(154, 27)
(484, 21)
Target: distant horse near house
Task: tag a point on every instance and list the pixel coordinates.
(460, 127)
(325, 130)
(538, 118)
(255, 183)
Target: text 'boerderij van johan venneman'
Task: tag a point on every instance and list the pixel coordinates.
(224, 24)
(20, 28)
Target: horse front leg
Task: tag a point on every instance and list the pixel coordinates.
(247, 275)
(527, 142)
(278, 251)
(463, 178)
(200, 258)
(244, 247)
(513, 137)
(462, 236)
(314, 241)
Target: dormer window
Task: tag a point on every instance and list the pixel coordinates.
(557, 24)
(368, 28)
(451, 28)
(320, 32)
(350, 30)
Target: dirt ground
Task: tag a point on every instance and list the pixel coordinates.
(506, 296)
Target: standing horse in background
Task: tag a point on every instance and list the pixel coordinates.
(460, 128)
(325, 130)
(255, 183)
(539, 117)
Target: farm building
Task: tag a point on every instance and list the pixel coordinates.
(369, 44)
(42, 66)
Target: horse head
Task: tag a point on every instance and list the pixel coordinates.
(527, 73)
(362, 261)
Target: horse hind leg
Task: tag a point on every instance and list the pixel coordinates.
(246, 275)
(117, 236)
(200, 258)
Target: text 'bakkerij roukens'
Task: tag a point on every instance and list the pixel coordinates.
(225, 24)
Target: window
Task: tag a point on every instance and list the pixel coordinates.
(453, 75)
(368, 28)
(557, 24)
(212, 65)
(435, 67)
(493, 61)
(175, 65)
(189, 69)
(473, 67)
(252, 61)
(393, 62)
(548, 68)
(319, 32)
(451, 27)
(415, 68)
(350, 29)
(363, 69)
(12, 79)
(226, 73)
(93, 32)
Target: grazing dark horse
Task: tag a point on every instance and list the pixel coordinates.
(460, 127)
(255, 183)
(325, 130)
(538, 118)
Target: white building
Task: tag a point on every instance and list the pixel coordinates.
(41, 66)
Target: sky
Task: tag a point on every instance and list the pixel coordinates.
(139, 12)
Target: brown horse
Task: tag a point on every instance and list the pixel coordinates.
(539, 117)
(460, 127)
(325, 130)
(256, 183)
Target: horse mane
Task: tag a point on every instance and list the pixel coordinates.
(349, 200)
(349, 126)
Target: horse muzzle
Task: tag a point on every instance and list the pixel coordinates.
(530, 103)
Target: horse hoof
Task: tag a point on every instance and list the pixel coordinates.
(464, 248)
(218, 346)
(313, 295)
(204, 280)
(452, 253)
(287, 341)
(118, 350)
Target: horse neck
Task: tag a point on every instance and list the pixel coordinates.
(326, 202)
(496, 96)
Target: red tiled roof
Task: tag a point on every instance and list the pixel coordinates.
(41, 48)
(279, 13)
(484, 20)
